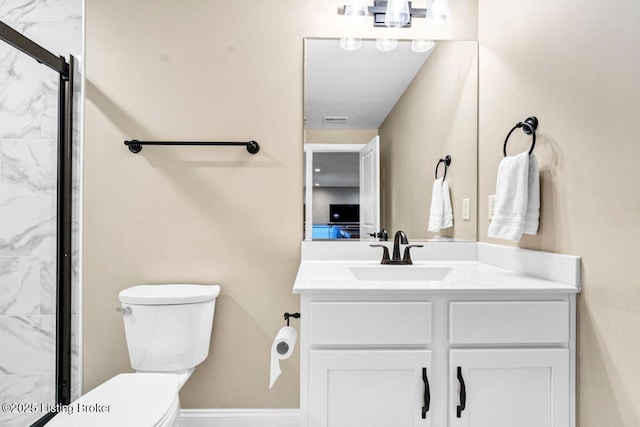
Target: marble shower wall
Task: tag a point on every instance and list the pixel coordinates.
(28, 132)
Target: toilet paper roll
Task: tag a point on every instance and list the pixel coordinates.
(281, 349)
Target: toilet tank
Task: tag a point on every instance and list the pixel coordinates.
(169, 326)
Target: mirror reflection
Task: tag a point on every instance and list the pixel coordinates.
(376, 124)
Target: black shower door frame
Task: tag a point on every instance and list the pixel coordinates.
(65, 70)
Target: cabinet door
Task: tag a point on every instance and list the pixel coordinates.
(369, 388)
(509, 387)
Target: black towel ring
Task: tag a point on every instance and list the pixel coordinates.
(447, 162)
(529, 127)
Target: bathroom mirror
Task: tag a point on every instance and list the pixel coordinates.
(420, 107)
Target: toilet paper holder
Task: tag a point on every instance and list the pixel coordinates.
(288, 315)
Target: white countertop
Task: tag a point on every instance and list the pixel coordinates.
(323, 276)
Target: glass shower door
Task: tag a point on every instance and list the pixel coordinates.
(30, 233)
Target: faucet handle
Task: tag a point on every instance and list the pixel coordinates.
(385, 253)
(407, 255)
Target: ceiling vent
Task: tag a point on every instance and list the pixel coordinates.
(335, 119)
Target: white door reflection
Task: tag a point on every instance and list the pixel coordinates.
(334, 191)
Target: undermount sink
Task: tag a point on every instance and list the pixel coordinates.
(386, 273)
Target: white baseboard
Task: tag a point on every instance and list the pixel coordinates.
(240, 418)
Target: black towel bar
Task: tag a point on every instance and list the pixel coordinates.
(135, 146)
(529, 127)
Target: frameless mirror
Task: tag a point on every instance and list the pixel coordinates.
(376, 125)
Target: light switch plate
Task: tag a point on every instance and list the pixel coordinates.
(492, 206)
(466, 215)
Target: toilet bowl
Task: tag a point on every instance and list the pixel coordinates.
(146, 400)
(168, 331)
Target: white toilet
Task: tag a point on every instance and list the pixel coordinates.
(168, 331)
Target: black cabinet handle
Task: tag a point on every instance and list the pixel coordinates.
(463, 394)
(427, 394)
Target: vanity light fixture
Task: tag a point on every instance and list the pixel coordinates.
(355, 15)
(356, 12)
(397, 14)
(393, 14)
(437, 14)
(400, 12)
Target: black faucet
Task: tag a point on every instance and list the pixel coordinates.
(399, 238)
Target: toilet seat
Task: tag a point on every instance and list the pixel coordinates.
(141, 400)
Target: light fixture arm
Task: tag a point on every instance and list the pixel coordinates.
(379, 9)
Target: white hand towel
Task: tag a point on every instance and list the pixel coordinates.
(440, 214)
(436, 213)
(532, 217)
(512, 198)
(447, 217)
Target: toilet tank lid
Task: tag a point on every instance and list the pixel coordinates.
(167, 294)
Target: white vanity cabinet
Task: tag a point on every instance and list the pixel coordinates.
(369, 364)
(509, 387)
(496, 322)
(374, 388)
(517, 371)
(388, 359)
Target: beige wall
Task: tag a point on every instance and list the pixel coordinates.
(202, 70)
(436, 116)
(214, 70)
(575, 65)
(339, 136)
